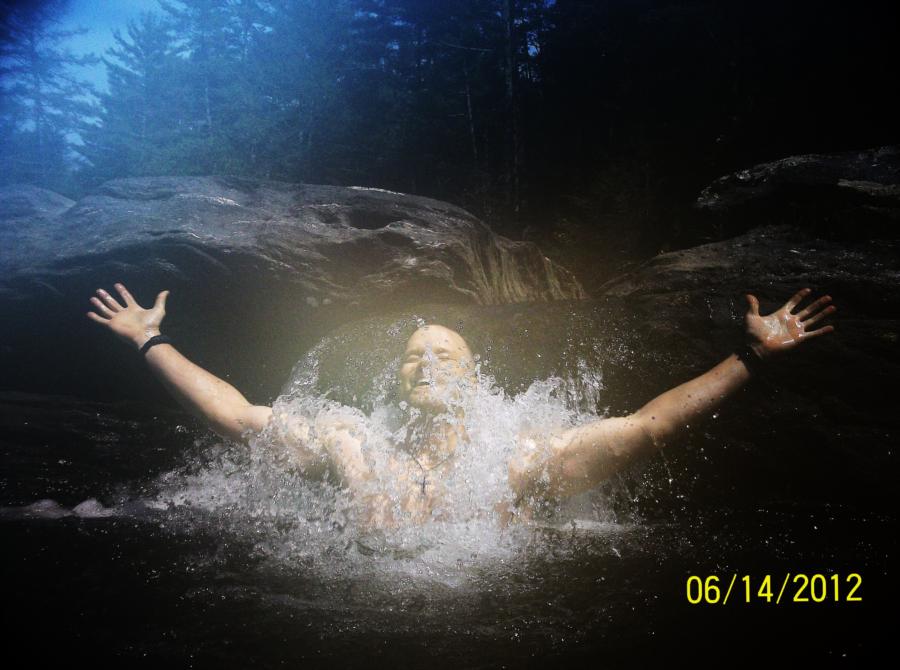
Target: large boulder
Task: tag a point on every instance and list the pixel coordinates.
(342, 244)
(818, 427)
(26, 221)
(829, 409)
(24, 203)
(855, 193)
(254, 266)
(874, 173)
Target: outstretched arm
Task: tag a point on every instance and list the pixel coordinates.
(204, 394)
(582, 457)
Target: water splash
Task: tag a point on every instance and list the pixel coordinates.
(281, 496)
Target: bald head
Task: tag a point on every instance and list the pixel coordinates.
(436, 336)
(435, 362)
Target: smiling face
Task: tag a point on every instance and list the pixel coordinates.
(436, 364)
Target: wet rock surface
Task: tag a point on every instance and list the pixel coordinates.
(853, 194)
(253, 266)
(828, 407)
(340, 244)
(873, 172)
(26, 215)
(240, 313)
(21, 204)
(244, 307)
(796, 472)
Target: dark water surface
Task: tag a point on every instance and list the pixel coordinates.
(118, 589)
(170, 561)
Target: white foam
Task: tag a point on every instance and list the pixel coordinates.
(292, 520)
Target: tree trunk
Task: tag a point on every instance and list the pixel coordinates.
(206, 101)
(469, 112)
(38, 109)
(512, 130)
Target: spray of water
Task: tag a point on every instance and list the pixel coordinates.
(285, 495)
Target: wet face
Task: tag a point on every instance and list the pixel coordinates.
(436, 364)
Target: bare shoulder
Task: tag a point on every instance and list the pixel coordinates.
(528, 463)
(301, 423)
(575, 459)
(315, 437)
(342, 433)
(337, 421)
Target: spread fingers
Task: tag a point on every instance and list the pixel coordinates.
(796, 298)
(109, 301)
(93, 316)
(126, 296)
(815, 318)
(820, 331)
(103, 309)
(808, 311)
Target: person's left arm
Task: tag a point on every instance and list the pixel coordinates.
(582, 457)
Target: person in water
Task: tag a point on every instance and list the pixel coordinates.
(436, 369)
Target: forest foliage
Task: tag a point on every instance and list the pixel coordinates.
(521, 110)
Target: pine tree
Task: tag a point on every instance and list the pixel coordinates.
(304, 60)
(248, 115)
(140, 122)
(201, 82)
(43, 105)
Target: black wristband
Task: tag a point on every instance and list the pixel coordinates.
(156, 339)
(751, 359)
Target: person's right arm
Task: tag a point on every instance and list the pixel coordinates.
(580, 458)
(220, 404)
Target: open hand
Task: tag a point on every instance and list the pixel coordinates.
(782, 330)
(131, 322)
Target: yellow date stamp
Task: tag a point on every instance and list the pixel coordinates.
(775, 589)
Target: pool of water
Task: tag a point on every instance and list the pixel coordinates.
(129, 589)
(134, 534)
